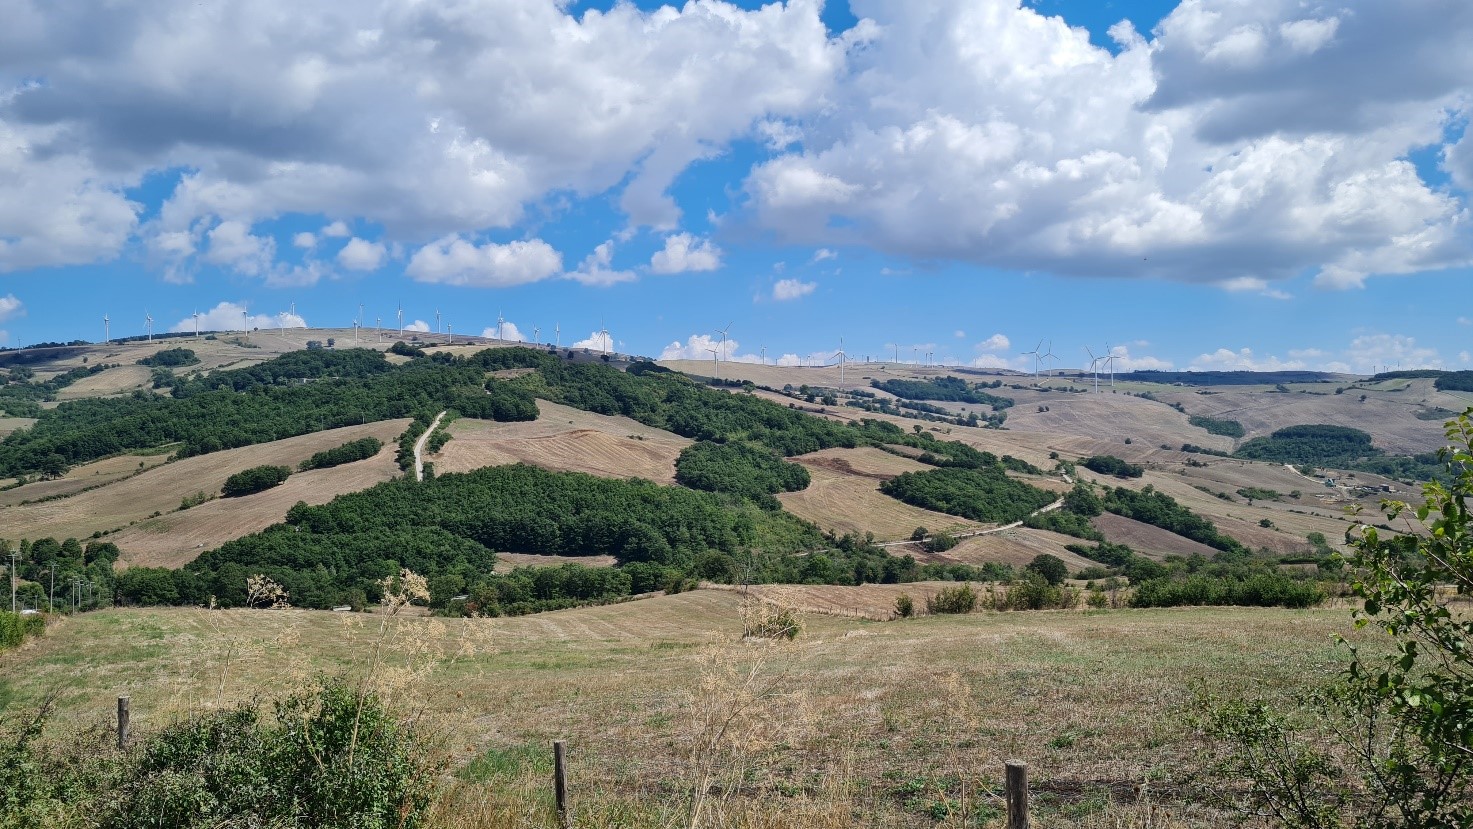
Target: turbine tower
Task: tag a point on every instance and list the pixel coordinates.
(196, 324)
(764, 355)
(437, 320)
(716, 358)
(1036, 357)
(603, 335)
(500, 324)
(106, 333)
(536, 332)
(1094, 364)
(842, 356)
(557, 330)
(401, 319)
(722, 332)
(450, 330)
(148, 324)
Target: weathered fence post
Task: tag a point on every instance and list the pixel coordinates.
(122, 721)
(560, 782)
(1015, 786)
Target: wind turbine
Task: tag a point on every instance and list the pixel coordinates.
(1036, 357)
(1109, 359)
(764, 355)
(841, 355)
(557, 330)
(716, 358)
(603, 335)
(1094, 363)
(401, 319)
(378, 328)
(449, 329)
(148, 324)
(536, 332)
(196, 324)
(1048, 355)
(106, 333)
(722, 332)
(500, 323)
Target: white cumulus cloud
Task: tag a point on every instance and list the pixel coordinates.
(10, 307)
(701, 346)
(418, 326)
(362, 255)
(233, 316)
(683, 253)
(597, 268)
(596, 341)
(509, 332)
(789, 289)
(455, 261)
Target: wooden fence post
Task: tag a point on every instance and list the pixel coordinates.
(1015, 786)
(560, 782)
(122, 721)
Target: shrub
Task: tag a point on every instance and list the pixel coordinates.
(255, 479)
(958, 599)
(1111, 465)
(1033, 592)
(766, 620)
(941, 542)
(14, 628)
(1052, 568)
(905, 606)
(919, 534)
(355, 450)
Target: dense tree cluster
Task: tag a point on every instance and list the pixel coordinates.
(741, 469)
(21, 396)
(81, 572)
(1215, 426)
(253, 480)
(353, 450)
(1111, 465)
(1315, 444)
(977, 494)
(171, 358)
(952, 389)
(292, 395)
(1161, 510)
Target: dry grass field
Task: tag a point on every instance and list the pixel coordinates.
(10, 424)
(135, 499)
(564, 438)
(103, 472)
(506, 562)
(844, 496)
(855, 723)
(1016, 546)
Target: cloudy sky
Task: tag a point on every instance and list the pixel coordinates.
(1215, 184)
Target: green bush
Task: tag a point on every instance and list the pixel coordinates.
(1033, 592)
(1052, 568)
(941, 542)
(14, 628)
(905, 606)
(255, 479)
(353, 450)
(1111, 465)
(958, 599)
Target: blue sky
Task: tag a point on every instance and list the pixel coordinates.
(1228, 184)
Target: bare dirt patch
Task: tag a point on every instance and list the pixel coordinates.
(566, 439)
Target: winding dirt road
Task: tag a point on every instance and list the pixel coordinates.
(419, 448)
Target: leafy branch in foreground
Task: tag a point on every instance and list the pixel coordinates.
(1389, 744)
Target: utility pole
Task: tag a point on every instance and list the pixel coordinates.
(13, 556)
(51, 597)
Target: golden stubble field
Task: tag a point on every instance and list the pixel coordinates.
(855, 723)
(161, 488)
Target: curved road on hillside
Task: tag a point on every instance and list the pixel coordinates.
(419, 448)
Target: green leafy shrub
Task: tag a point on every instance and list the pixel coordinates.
(905, 606)
(171, 357)
(255, 479)
(1111, 465)
(958, 599)
(353, 450)
(979, 494)
(1051, 567)
(1033, 592)
(14, 627)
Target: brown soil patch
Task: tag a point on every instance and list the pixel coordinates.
(844, 496)
(1016, 547)
(1149, 541)
(566, 439)
(161, 489)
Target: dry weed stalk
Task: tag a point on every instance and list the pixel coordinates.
(742, 710)
(262, 591)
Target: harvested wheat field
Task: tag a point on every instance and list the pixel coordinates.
(11, 424)
(1151, 542)
(844, 495)
(105, 471)
(854, 723)
(1016, 546)
(113, 381)
(566, 439)
(135, 499)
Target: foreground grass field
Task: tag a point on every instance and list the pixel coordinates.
(663, 705)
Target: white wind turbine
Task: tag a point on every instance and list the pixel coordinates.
(196, 324)
(1048, 355)
(764, 355)
(557, 330)
(722, 332)
(401, 319)
(1036, 357)
(1094, 367)
(378, 328)
(536, 332)
(500, 324)
(148, 324)
(107, 336)
(437, 320)
(1109, 360)
(603, 335)
(842, 358)
(716, 358)
(450, 330)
